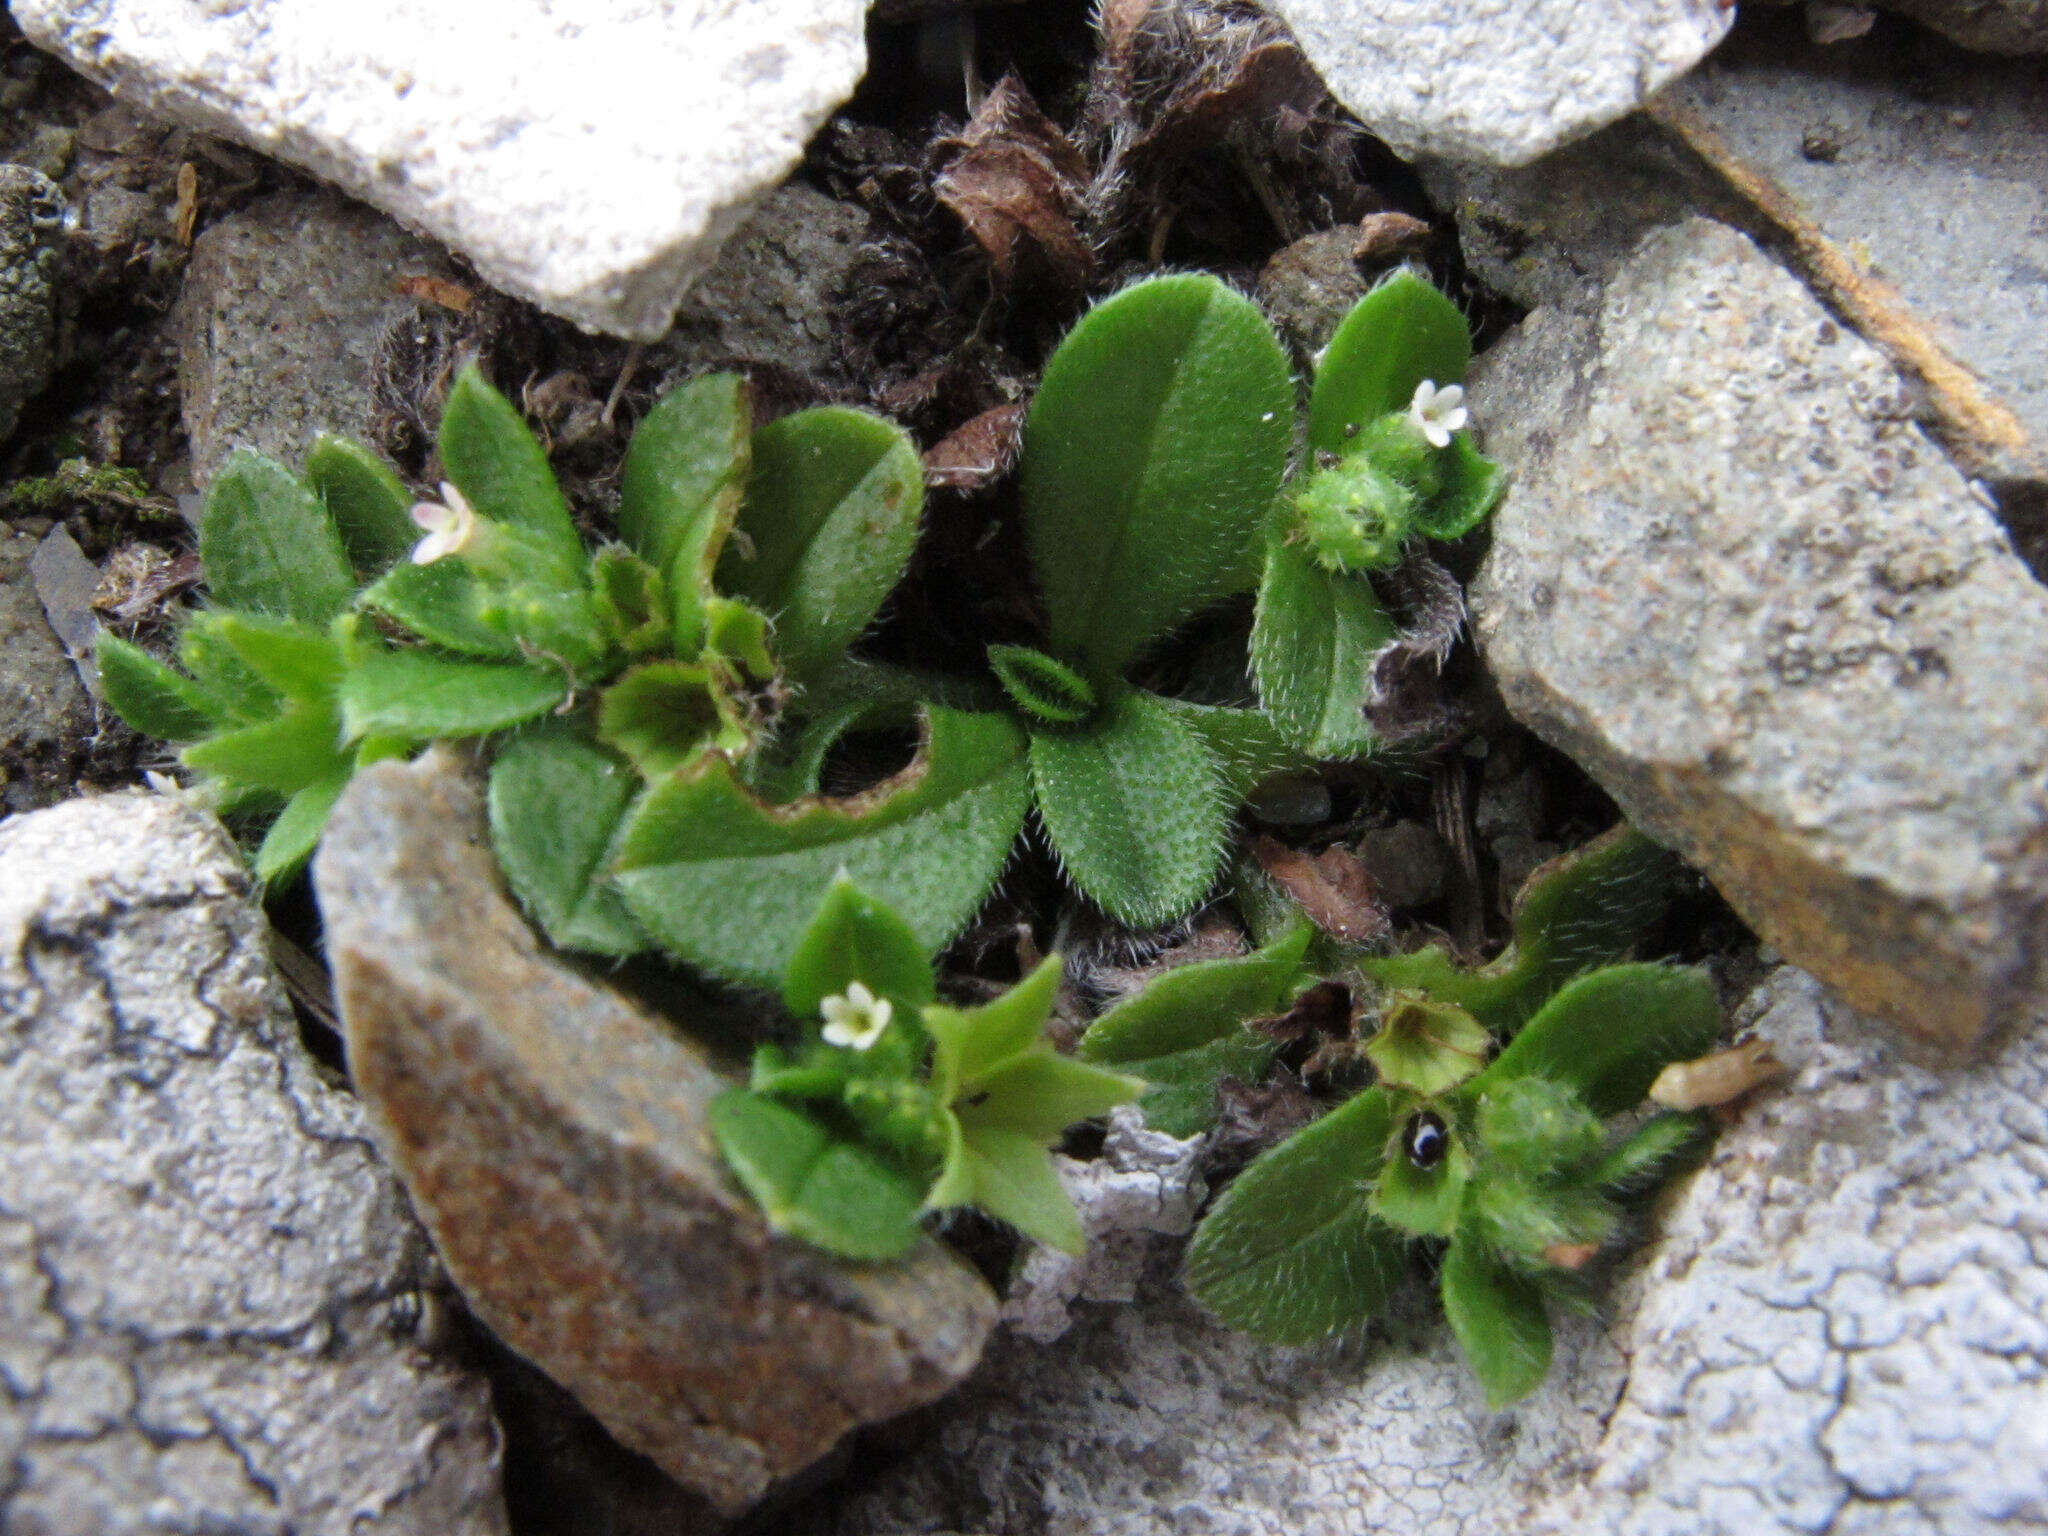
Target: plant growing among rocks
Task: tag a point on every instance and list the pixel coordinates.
(660, 711)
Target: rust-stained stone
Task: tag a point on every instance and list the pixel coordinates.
(1738, 585)
(553, 1138)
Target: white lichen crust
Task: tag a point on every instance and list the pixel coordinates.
(212, 1293)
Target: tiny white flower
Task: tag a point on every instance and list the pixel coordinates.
(855, 1020)
(1437, 413)
(449, 525)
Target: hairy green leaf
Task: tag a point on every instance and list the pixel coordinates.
(661, 714)
(1315, 634)
(270, 546)
(157, 700)
(237, 694)
(1586, 909)
(1013, 1180)
(1608, 1034)
(415, 693)
(680, 489)
(969, 1044)
(556, 800)
(300, 662)
(1040, 1093)
(1245, 744)
(1471, 487)
(1152, 453)
(829, 518)
(499, 465)
(1292, 1252)
(284, 753)
(1648, 1152)
(1048, 691)
(371, 508)
(812, 1185)
(1401, 333)
(1424, 1201)
(1499, 1321)
(1134, 807)
(296, 832)
(1181, 1089)
(447, 603)
(853, 937)
(728, 882)
(1192, 1005)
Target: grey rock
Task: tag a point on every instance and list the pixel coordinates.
(771, 295)
(1751, 598)
(1839, 1326)
(1145, 1184)
(1844, 1324)
(1308, 287)
(45, 716)
(283, 307)
(1995, 26)
(1503, 84)
(1906, 186)
(209, 1284)
(1925, 174)
(584, 155)
(31, 226)
(65, 583)
(554, 1138)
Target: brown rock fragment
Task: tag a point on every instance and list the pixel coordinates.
(553, 1138)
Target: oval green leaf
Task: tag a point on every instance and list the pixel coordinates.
(269, 546)
(1401, 333)
(1151, 456)
(371, 508)
(1135, 809)
(1315, 634)
(680, 489)
(556, 800)
(829, 519)
(1292, 1252)
(499, 465)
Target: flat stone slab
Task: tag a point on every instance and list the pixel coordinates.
(1736, 583)
(1479, 80)
(554, 1138)
(1839, 1326)
(215, 1307)
(587, 156)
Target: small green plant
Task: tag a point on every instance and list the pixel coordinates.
(656, 712)
(1510, 1162)
(895, 1105)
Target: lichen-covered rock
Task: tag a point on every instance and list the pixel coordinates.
(210, 1287)
(279, 322)
(1840, 1326)
(1844, 1326)
(585, 155)
(555, 1140)
(1478, 80)
(31, 224)
(1745, 592)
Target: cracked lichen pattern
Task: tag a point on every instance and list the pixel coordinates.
(209, 1284)
(1842, 1328)
(1845, 1327)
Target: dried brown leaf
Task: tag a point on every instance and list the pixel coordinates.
(1385, 238)
(1332, 888)
(429, 289)
(139, 579)
(1253, 1116)
(977, 453)
(1016, 182)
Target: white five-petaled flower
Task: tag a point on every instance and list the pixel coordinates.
(855, 1020)
(449, 525)
(1437, 413)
